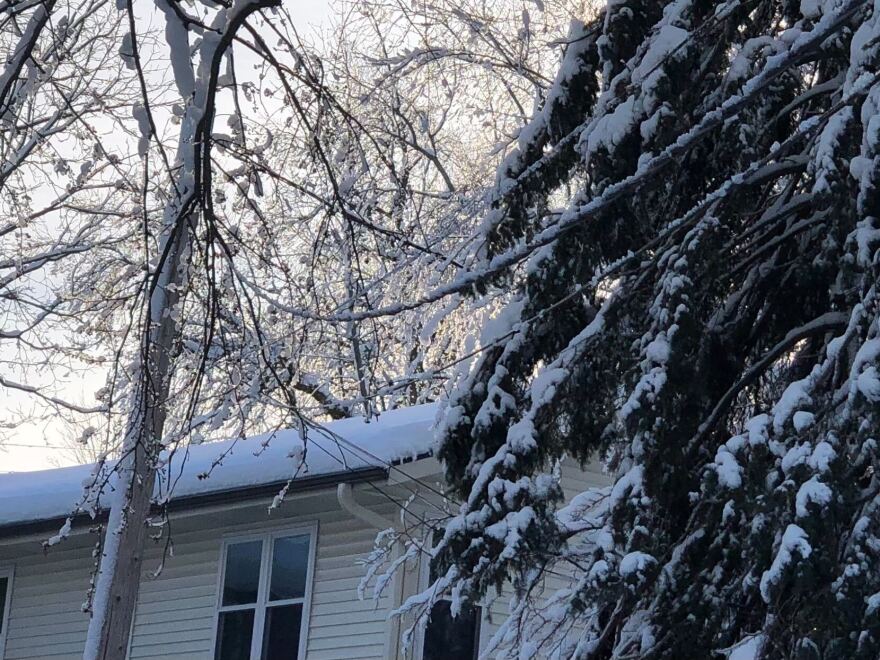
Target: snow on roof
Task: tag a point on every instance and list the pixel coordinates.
(396, 435)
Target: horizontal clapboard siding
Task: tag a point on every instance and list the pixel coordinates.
(46, 620)
(175, 616)
(575, 479)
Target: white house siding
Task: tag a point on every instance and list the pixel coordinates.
(175, 611)
(175, 616)
(45, 616)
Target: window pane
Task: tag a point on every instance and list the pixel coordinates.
(234, 634)
(290, 560)
(448, 638)
(4, 585)
(281, 637)
(242, 577)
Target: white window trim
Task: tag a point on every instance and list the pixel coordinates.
(268, 537)
(7, 572)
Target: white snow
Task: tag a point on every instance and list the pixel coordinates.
(797, 455)
(794, 541)
(598, 571)
(868, 383)
(810, 8)
(802, 420)
(648, 128)
(751, 50)
(627, 486)
(748, 648)
(658, 350)
(811, 491)
(727, 467)
(536, 130)
(667, 39)
(611, 129)
(585, 510)
(728, 512)
(826, 147)
(397, 434)
(635, 562)
(511, 531)
(178, 40)
(822, 456)
(757, 430)
(794, 396)
(139, 112)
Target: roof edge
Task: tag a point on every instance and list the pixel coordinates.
(50, 526)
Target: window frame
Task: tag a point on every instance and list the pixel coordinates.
(263, 603)
(8, 572)
(483, 620)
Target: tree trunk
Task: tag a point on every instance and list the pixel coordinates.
(118, 577)
(113, 634)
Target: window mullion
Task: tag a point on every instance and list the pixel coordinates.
(286, 601)
(262, 598)
(236, 608)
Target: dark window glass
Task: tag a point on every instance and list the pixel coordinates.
(281, 635)
(448, 638)
(4, 586)
(234, 634)
(242, 577)
(290, 561)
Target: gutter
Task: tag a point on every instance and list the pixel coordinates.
(345, 497)
(48, 526)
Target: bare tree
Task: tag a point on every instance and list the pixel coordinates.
(230, 244)
(61, 87)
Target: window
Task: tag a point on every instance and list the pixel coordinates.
(264, 597)
(5, 600)
(451, 638)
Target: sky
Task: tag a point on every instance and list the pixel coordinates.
(42, 444)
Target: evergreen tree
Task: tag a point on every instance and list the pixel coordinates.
(703, 313)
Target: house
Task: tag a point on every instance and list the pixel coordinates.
(239, 581)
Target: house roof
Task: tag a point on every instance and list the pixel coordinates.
(345, 448)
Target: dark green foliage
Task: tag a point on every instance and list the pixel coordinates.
(713, 335)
